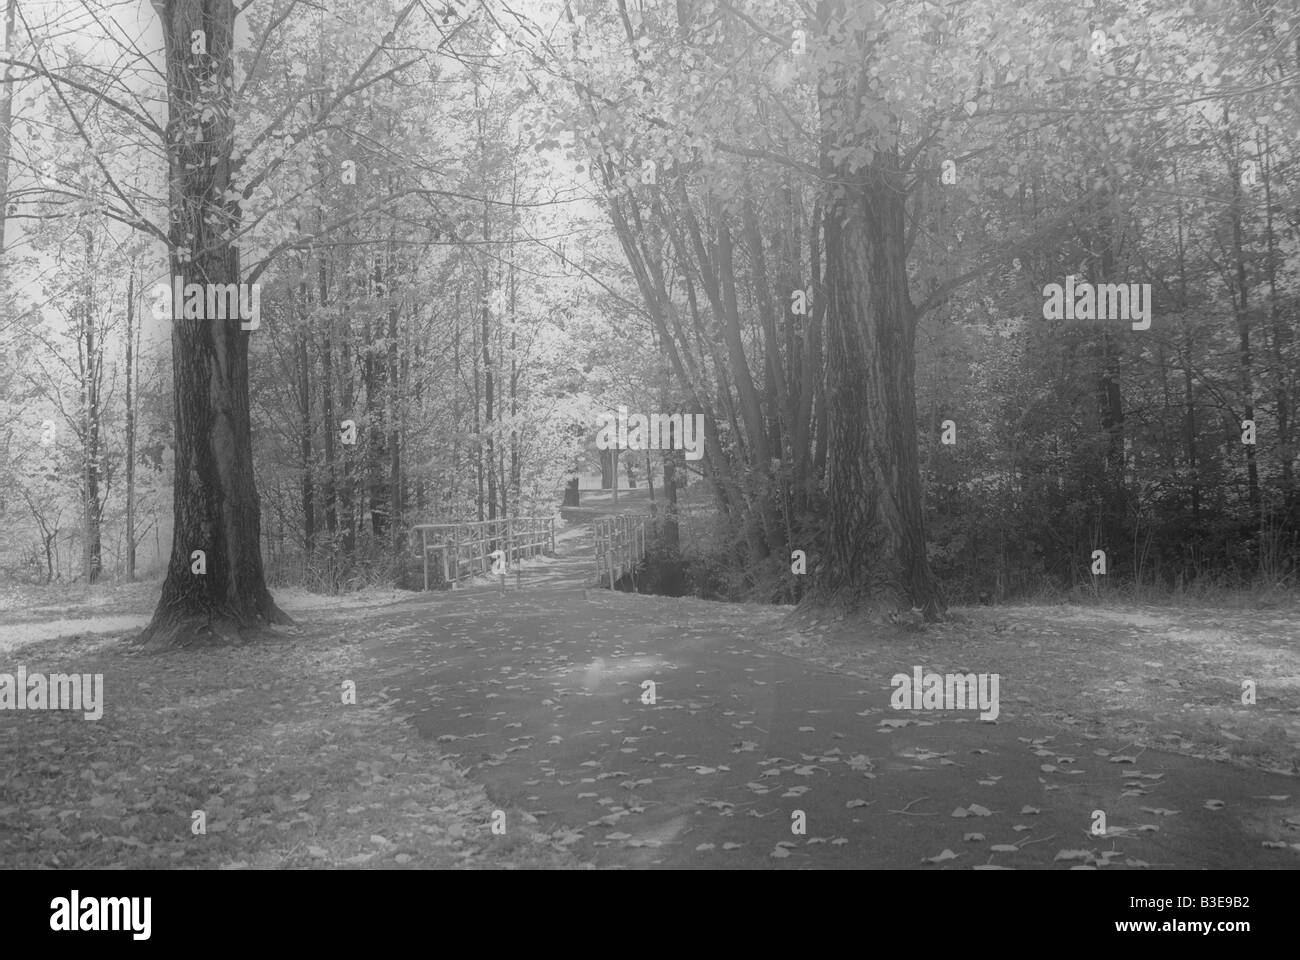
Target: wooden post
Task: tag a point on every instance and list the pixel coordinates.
(424, 552)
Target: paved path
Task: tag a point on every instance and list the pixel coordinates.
(538, 696)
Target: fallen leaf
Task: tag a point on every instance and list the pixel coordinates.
(944, 855)
(1073, 855)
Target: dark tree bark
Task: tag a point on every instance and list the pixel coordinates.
(396, 503)
(875, 534)
(214, 497)
(304, 435)
(671, 531)
(1241, 304)
(875, 542)
(92, 364)
(375, 370)
(330, 423)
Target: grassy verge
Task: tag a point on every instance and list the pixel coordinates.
(1160, 676)
(258, 739)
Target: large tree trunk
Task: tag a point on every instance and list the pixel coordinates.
(875, 542)
(875, 554)
(214, 498)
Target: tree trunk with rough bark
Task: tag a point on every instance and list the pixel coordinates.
(215, 501)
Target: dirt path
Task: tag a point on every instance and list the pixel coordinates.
(538, 695)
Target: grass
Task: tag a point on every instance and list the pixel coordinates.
(256, 739)
(1163, 675)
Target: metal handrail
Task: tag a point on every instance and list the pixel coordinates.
(466, 549)
(620, 545)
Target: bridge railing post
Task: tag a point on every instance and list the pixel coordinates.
(424, 553)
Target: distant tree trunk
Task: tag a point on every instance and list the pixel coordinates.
(489, 397)
(6, 121)
(1242, 305)
(304, 430)
(215, 505)
(571, 493)
(130, 426)
(478, 399)
(329, 422)
(348, 511)
(1185, 356)
(672, 535)
(92, 360)
(1189, 434)
(396, 501)
(1280, 340)
(376, 372)
(516, 467)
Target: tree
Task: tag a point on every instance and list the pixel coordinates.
(215, 587)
